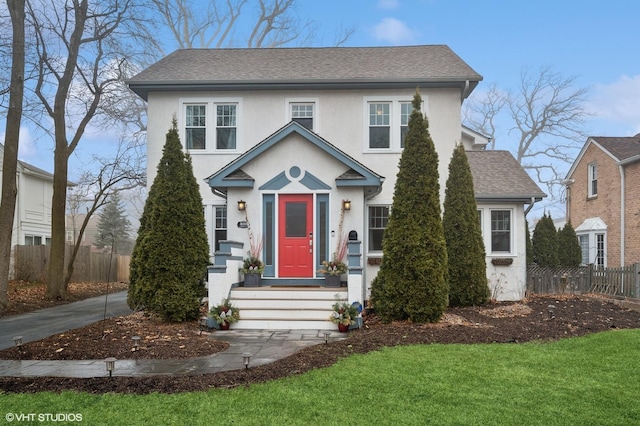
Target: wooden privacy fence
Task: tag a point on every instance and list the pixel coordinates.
(620, 282)
(31, 263)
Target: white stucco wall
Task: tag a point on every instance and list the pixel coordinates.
(506, 282)
(341, 119)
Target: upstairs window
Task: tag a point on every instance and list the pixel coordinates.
(210, 125)
(593, 180)
(386, 123)
(302, 113)
(226, 126)
(405, 112)
(379, 125)
(196, 126)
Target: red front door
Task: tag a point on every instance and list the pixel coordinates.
(295, 241)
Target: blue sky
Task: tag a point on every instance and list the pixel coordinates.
(598, 42)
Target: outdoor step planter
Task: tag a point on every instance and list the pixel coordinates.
(332, 281)
(252, 280)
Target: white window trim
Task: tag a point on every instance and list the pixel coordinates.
(211, 133)
(489, 236)
(591, 168)
(316, 110)
(368, 227)
(394, 121)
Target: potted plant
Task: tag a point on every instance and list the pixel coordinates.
(224, 314)
(344, 314)
(252, 268)
(333, 269)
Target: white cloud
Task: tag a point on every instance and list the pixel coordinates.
(393, 31)
(618, 102)
(388, 4)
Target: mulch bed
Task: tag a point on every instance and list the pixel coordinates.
(512, 322)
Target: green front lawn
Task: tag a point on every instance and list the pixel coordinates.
(592, 380)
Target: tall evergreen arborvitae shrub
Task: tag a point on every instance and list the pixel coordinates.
(569, 252)
(412, 281)
(468, 284)
(170, 257)
(545, 242)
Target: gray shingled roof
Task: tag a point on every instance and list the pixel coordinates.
(621, 147)
(497, 175)
(410, 65)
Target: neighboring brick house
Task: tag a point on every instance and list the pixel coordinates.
(603, 200)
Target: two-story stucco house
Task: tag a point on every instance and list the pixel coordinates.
(299, 148)
(603, 200)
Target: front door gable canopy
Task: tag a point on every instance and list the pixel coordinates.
(232, 174)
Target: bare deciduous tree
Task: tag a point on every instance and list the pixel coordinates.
(272, 23)
(546, 116)
(121, 173)
(81, 49)
(11, 142)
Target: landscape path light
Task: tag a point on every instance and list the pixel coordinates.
(246, 357)
(111, 365)
(136, 343)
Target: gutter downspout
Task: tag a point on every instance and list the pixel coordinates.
(533, 201)
(622, 213)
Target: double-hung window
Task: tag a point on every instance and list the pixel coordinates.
(226, 115)
(196, 126)
(501, 231)
(593, 180)
(379, 125)
(378, 219)
(386, 123)
(210, 125)
(220, 225)
(405, 112)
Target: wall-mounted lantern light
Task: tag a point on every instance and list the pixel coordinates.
(346, 205)
(242, 205)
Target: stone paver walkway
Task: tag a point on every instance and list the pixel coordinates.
(266, 346)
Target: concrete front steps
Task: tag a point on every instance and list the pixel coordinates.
(285, 308)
